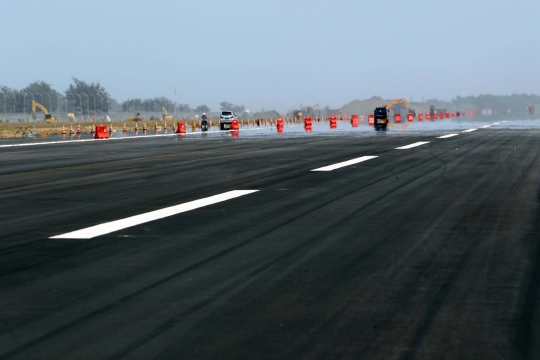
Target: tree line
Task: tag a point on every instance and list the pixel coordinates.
(499, 104)
(83, 98)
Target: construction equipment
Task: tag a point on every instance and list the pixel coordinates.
(297, 115)
(166, 115)
(309, 110)
(400, 101)
(48, 117)
(135, 117)
(71, 117)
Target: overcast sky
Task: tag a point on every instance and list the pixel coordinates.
(265, 53)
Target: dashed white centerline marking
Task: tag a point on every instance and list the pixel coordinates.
(447, 136)
(345, 163)
(412, 145)
(109, 227)
(496, 123)
(470, 130)
(485, 126)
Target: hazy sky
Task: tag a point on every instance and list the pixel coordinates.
(274, 52)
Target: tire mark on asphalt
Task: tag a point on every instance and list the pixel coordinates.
(104, 309)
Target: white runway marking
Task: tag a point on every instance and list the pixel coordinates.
(412, 145)
(485, 126)
(496, 124)
(116, 138)
(470, 130)
(447, 136)
(345, 163)
(106, 228)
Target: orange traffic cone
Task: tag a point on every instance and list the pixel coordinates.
(124, 129)
(165, 126)
(155, 126)
(136, 127)
(63, 130)
(144, 126)
(110, 129)
(93, 129)
(71, 132)
(78, 129)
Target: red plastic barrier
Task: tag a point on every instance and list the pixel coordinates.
(457, 114)
(428, 116)
(435, 116)
(354, 120)
(181, 128)
(101, 132)
(308, 128)
(410, 117)
(420, 117)
(235, 133)
(333, 119)
(234, 125)
(279, 124)
(447, 115)
(308, 121)
(397, 118)
(371, 119)
(441, 115)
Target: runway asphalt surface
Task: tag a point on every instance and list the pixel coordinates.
(426, 252)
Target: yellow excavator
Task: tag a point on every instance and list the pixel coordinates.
(48, 117)
(297, 115)
(136, 117)
(166, 116)
(400, 101)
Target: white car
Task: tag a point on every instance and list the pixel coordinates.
(225, 120)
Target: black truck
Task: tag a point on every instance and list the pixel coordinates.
(380, 121)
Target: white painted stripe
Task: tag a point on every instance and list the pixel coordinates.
(496, 123)
(345, 163)
(112, 138)
(470, 130)
(447, 136)
(106, 228)
(485, 126)
(412, 145)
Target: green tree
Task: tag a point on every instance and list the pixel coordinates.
(227, 106)
(87, 98)
(44, 94)
(202, 109)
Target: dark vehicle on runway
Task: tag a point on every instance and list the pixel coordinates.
(380, 121)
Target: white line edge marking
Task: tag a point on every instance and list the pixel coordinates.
(485, 126)
(470, 130)
(118, 138)
(345, 163)
(109, 227)
(447, 136)
(412, 145)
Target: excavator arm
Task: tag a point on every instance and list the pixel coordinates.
(48, 117)
(398, 101)
(43, 108)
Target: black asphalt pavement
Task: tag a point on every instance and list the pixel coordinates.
(431, 252)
